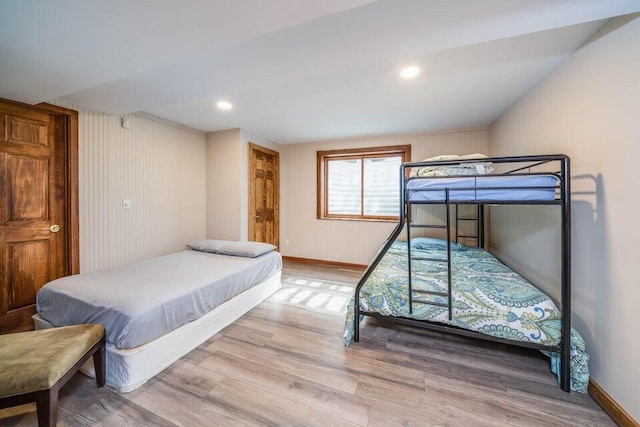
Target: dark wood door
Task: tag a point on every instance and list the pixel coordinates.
(33, 223)
(264, 195)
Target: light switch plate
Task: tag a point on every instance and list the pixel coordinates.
(126, 204)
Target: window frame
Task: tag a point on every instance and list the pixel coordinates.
(322, 195)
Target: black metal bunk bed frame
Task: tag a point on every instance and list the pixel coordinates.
(563, 199)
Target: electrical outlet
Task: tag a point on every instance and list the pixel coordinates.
(286, 242)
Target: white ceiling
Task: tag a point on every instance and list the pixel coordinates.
(295, 70)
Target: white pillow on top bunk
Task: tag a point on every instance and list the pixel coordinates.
(479, 168)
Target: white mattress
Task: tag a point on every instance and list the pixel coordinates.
(484, 188)
(130, 368)
(141, 301)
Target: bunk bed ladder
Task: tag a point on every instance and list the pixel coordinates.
(478, 219)
(447, 260)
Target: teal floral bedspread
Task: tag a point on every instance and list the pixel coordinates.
(488, 297)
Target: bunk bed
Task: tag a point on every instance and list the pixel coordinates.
(441, 285)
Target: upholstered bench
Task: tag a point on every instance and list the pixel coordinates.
(35, 365)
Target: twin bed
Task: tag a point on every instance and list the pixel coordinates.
(157, 310)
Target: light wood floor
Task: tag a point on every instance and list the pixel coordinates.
(284, 363)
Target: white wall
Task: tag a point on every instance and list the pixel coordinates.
(348, 241)
(589, 109)
(224, 185)
(228, 182)
(160, 167)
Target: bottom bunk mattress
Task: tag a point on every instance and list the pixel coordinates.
(142, 301)
(487, 297)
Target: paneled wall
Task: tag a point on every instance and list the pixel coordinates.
(348, 241)
(158, 166)
(588, 109)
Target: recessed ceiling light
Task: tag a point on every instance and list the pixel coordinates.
(409, 72)
(224, 105)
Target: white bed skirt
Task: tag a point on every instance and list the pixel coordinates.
(128, 369)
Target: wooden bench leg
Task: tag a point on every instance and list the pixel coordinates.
(47, 406)
(47, 400)
(99, 365)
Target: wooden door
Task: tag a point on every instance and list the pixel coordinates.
(33, 208)
(264, 195)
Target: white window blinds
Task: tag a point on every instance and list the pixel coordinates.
(382, 186)
(363, 187)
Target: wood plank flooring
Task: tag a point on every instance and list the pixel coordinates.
(284, 363)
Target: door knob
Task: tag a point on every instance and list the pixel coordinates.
(54, 228)
(256, 216)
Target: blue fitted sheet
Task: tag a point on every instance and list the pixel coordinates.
(484, 188)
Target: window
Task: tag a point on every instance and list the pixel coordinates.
(360, 183)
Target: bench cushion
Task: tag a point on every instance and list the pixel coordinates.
(36, 360)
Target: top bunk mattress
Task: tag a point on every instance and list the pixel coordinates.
(142, 301)
(484, 188)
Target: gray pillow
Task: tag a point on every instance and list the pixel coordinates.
(246, 249)
(208, 245)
